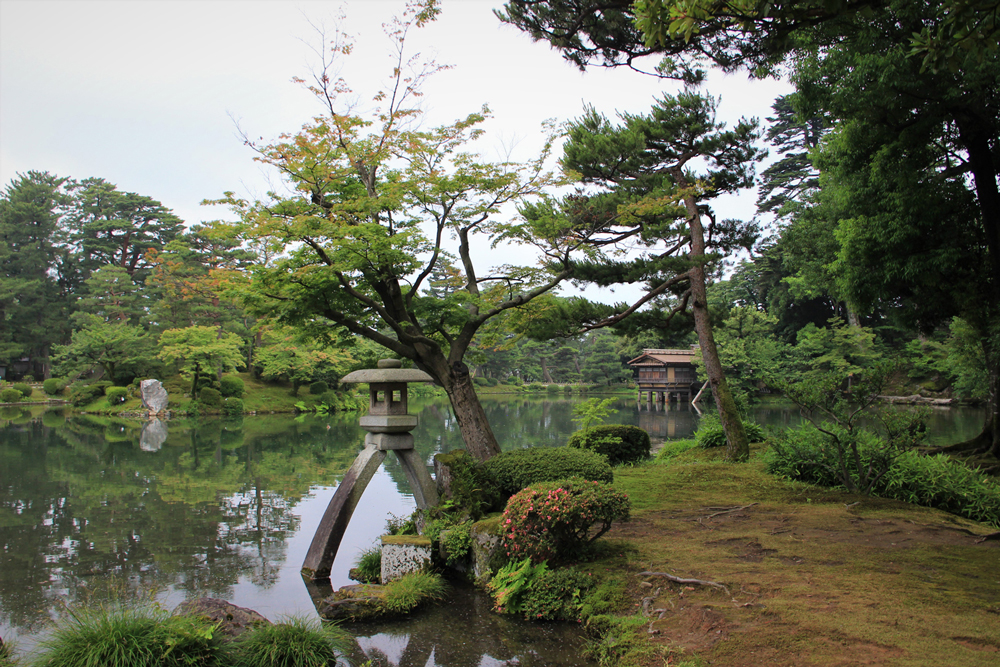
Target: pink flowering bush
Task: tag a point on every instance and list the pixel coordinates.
(553, 520)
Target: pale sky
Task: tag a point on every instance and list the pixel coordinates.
(144, 92)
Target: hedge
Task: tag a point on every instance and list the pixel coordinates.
(514, 470)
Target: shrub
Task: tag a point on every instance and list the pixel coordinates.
(116, 395)
(619, 442)
(492, 382)
(368, 567)
(129, 637)
(944, 483)
(470, 486)
(10, 395)
(52, 386)
(24, 388)
(296, 641)
(480, 382)
(411, 590)
(536, 386)
(318, 387)
(710, 433)
(231, 386)
(552, 389)
(538, 593)
(232, 407)
(558, 519)
(515, 380)
(512, 471)
(210, 397)
(672, 448)
(82, 394)
(456, 541)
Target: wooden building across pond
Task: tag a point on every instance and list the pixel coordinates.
(665, 373)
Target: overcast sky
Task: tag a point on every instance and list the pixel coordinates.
(144, 93)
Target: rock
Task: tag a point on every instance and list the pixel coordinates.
(487, 551)
(154, 396)
(153, 435)
(233, 621)
(403, 554)
(352, 603)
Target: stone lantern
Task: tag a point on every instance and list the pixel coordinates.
(388, 424)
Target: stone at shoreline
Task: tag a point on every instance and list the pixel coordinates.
(487, 550)
(233, 621)
(154, 396)
(353, 603)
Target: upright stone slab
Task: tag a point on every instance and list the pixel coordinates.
(154, 396)
(403, 554)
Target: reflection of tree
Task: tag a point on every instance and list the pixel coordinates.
(213, 505)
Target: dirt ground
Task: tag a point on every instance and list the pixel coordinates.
(803, 575)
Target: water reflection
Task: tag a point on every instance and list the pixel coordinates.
(97, 507)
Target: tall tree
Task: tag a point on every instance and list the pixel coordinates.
(33, 304)
(373, 202)
(651, 195)
(117, 228)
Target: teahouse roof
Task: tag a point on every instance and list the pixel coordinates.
(662, 357)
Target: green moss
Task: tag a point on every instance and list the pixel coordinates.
(415, 540)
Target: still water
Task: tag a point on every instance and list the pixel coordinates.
(90, 510)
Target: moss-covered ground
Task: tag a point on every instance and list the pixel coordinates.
(812, 576)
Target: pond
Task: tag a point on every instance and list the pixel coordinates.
(226, 508)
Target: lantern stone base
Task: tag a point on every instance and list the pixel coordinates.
(389, 441)
(403, 554)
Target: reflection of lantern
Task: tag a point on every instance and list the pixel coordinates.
(388, 425)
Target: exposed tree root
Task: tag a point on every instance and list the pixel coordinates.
(727, 510)
(991, 536)
(681, 580)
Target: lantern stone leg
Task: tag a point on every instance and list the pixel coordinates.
(326, 541)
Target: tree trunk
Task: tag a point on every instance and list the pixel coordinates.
(545, 371)
(737, 447)
(472, 422)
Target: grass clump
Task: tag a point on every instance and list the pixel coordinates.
(710, 433)
(674, 448)
(368, 568)
(129, 637)
(296, 642)
(410, 591)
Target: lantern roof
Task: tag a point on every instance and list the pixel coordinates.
(389, 371)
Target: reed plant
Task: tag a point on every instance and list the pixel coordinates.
(295, 642)
(411, 590)
(141, 636)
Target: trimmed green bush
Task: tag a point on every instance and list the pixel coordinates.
(621, 443)
(82, 394)
(537, 593)
(116, 395)
(231, 386)
(515, 380)
(10, 395)
(514, 470)
(552, 389)
(129, 637)
(559, 519)
(536, 386)
(52, 386)
(492, 382)
(480, 382)
(318, 387)
(232, 407)
(295, 642)
(210, 397)
(24, 388)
